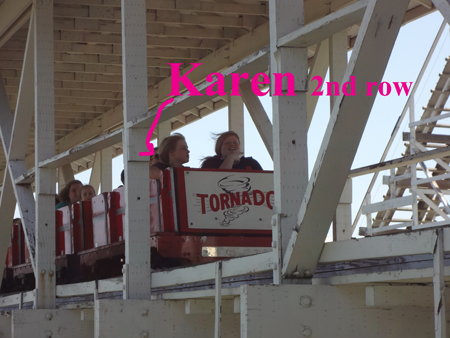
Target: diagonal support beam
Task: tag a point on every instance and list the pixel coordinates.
(14, 143)
(373, 46)
(444, 7)
(258, 115)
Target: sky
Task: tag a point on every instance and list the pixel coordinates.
(410, 50)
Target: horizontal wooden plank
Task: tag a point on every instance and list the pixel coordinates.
(400, 162)
(230, 268)
(411, 243)
(323, 28)
(83, 150)
(435, 138)
(388, 204)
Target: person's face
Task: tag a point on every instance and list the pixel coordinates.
(87, 194)
(74, 193)
(229, 146)
(181, 153)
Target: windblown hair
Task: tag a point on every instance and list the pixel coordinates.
(64, 193)
(167, 145)
(220, 139)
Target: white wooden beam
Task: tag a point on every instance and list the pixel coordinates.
(25, 101)
(164, 130)
(106, 170)
(319, 67)
(258, 115)
(338, 60)
(94, 179)
(236, 118)
(443, 6)
(66, 172)
(375, 41)
(232, 267)
(137, 269)
(289, 116)
(10, 11)
(440, 321)
(44, 149)
(401, 162)
(321, 29)
(414, 243)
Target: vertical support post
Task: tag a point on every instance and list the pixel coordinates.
(137, 198)
(343, 217)
(276, 246)
(94, 179)
(65, 175)
(319, 68)
(236, 117)
(392, 185)
(164, 129)
(338, 61)
(106, 170)
(368, 216)
(258, 115)
(439, 286)
(412, 151)
(218, 301)
(338, 64)
(44, 149)
(289, 115)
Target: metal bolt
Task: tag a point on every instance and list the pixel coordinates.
(43, 272)
(48, 333)
(51, 273)
(306, 331)
(48, 316)
(296, 273)
(274, 244)
(307, 273)
(306, 301)
(144, 334)
(144, 312)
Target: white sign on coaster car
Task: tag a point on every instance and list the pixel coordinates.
(241, 200)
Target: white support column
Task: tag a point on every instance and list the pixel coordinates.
(343, 218)
(65, 175)
(413, 170)
(44, 149)
(164, 129)
(137, 210)
(338, 64)
(373, 45)
(318, 68)
(94, 180)
(444, 7)
(439, 286)
(338, 60)
(258, 115)
(106, 170)
(236, 117)
(289, 116)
